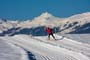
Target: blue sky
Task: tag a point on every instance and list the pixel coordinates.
(28, 9)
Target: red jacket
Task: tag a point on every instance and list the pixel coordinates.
(49, 30)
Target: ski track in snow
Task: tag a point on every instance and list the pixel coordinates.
(9, 51)
(61, 49)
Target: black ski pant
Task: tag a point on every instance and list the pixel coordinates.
(50, 35)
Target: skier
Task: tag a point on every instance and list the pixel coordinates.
(50, 32)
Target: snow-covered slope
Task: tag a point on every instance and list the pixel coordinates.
(42, 49)
(5, 25)
(9, 51)
(27, 40)
(79, 23)
(45, 19)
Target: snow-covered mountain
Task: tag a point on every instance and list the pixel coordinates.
(79, 23)
(5, 25)
(37, 46)
(45, 19)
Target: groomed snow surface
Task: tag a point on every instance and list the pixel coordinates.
(26, 47)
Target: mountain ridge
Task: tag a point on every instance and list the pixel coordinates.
(79, 23)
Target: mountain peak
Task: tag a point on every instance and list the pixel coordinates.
(46, 14)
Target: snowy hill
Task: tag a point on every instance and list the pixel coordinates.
(45, 19)
(27, 40)
(5, 25)
(26, 47)
(9, 51)
(79, 23)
